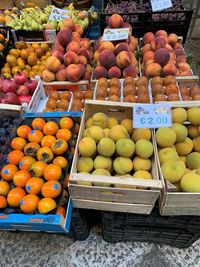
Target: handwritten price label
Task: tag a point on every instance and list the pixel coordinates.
(50, 35)
(158, 5)
(115, 34)
(152, 116)
(58, 14)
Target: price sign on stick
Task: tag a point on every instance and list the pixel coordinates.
(58, 14)
(50, 35)
(115, 34)
(158, 5)
(152, 116)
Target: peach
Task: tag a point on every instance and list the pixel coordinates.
(52, 64)
(86, 75)
(88, 68)
(76, 37)
(148, 55)
(64, 36)
(96, 55)
(149, 61)
(85, 42)
(121, 47)
(58, 55)
(73, 46)
(129, 71)
(145, 48)
(186, 73)
(82, 69)
(68, 24)
(71, 58)
(107, 59)
(183, 67)
(148, 37)
(79, 29)
(73, 73)
(100, 72)
(161, 56)
(134, 61)
(181, 59)
(172, 39)
(58, 47)
(153, 70)
(61, 75)
(82, 60)
(115, 21)
(161, 33)
(84, 52)
(48, 76)
(107, 45)
(169, 48)
(123, 59)
(114, 72)
(127, 25)
(177, 46)
(133, 44)
(169, 69)
(160, 42)
(179, 52)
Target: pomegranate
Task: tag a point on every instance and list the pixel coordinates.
(1, 96)
(20, 77)
(24, 99)
(22, 90)
(1, 83)
(9, 86)
(10, 98)
(32, 85)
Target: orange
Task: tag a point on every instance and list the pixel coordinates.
(4, 188)
(61, 161)
(8, 171)
(15, 156)
(66, 123)
(52, 172)
(45, 154)
(48, 140)
(33, 185)
(38, 124)
(29, 203)
(51, 189)
(23, 131)
(77, 128)
(59, 147)
(15, 196)
(64, 134)
(18, 143)
(21, 177)
(31, 149)
(3, 202)
(61, 211)
(66, 181)
(35, 136)
(37, 168)
(50, 128)
(46, 205)
(26, 162)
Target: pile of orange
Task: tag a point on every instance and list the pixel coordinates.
(35, 166)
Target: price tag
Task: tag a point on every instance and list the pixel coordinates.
(50, 35)
(115, 34)
(152, 116)
(58, 14)
(158, 5)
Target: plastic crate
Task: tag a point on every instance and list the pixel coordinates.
(79, 224)
(178, 231)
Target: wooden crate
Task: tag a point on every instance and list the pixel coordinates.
(112, 198)
(172, 202)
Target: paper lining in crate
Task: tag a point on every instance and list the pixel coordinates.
(172, 201)
(121, 198)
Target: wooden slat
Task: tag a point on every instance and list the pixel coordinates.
(118, 207)
(123, 195)
(172, 211)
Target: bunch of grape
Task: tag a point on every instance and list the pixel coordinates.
(122, 7)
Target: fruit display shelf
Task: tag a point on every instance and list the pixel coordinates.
(123, 196)
(176, 231)
(179, 197)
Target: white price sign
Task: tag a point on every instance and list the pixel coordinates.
(58, 14)
(158, 5)
(115, 34)
(50, 35)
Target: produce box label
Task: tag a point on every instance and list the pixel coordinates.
(115, 34)
(58, 14)
(158, 5)
(50, 35)
(152, 116)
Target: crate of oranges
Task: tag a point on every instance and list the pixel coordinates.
(33, 183)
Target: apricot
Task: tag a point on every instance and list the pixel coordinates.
(169, 69)
(153, 70)
(53, 64)
(48, 76)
